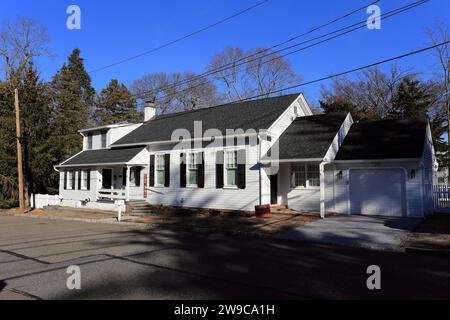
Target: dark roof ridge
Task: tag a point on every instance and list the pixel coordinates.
(170, 115)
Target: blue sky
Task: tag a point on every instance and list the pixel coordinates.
(113, 30)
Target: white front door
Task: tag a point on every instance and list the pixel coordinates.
(377, 192)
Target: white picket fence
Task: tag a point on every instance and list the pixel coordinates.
(441, 197)
(40, 201)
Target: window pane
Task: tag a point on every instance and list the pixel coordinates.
(193, 177)
(160, 177)
(103, 139)
(133, 177)
(313, 175)
(69, 179)
(90, 141)
(232, 177)
(84, 179)
(299, 176)
(231, 159)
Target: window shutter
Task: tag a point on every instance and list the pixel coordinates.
(152, 171)
(65, 180)
(219, 169)
(79, 179)
(137, 177)
(124, 176)
(88, 179)
(201, 170)
(73, 180)
(182, 170)
(167, 170)
(242, 167)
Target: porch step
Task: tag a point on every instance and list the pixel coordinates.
(139, 208)
(281, 209)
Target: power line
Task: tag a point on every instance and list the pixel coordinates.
(224, 67)
(349, 71)
(181, 38)
(358, 25)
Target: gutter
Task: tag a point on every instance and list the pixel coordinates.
(99, 165)
(375, 160)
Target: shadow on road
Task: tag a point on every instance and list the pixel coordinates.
(184, 265)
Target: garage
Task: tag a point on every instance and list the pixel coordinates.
(377, 192)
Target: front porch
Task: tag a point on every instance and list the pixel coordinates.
(122, 183)
(297, 185)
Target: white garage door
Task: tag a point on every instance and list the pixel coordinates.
(376, 192)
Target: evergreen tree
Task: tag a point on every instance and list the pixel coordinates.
(72, 102)
(338, 105)
(35, 121)
(115, 104)
(8, 160)
(411, 100)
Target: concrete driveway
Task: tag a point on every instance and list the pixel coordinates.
(380, 233)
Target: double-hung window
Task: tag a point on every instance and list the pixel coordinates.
(305, 176)
(70, 179)
(84, 180)
(89, 141)
(160, 170)
(104, 136)
(231, 168)
(192, 169)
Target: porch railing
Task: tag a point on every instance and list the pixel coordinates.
(114, 194)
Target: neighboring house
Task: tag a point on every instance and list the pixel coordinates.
(442, 177)
(282, 154)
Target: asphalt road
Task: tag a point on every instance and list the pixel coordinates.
(119, 262)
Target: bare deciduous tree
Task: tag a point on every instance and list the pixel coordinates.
(441, 33)
(176, 91)
(254, 73)
(269, 72)
(370, 95)
(227, 68)
(21, 41)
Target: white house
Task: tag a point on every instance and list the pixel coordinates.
(268, 151)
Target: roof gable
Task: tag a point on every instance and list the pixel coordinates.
(310, 137)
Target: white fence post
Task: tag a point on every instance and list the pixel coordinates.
(441, 197)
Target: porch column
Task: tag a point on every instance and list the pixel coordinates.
(127, 187)
(322, 190)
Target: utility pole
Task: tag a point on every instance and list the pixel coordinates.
(19, 150)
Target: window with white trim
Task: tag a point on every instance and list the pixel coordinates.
(160, 170)
(305, 176)
(70, 177)
(104, 136)
(135, 176)
(192, 169)
(84, 179)
(89, 141)
(231, 168)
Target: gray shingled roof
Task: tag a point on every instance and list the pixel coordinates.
(310, 137)
(105, 156)
(255, 114)
(387, 139)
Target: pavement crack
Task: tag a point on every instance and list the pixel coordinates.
(25, 294)
(21, 256)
